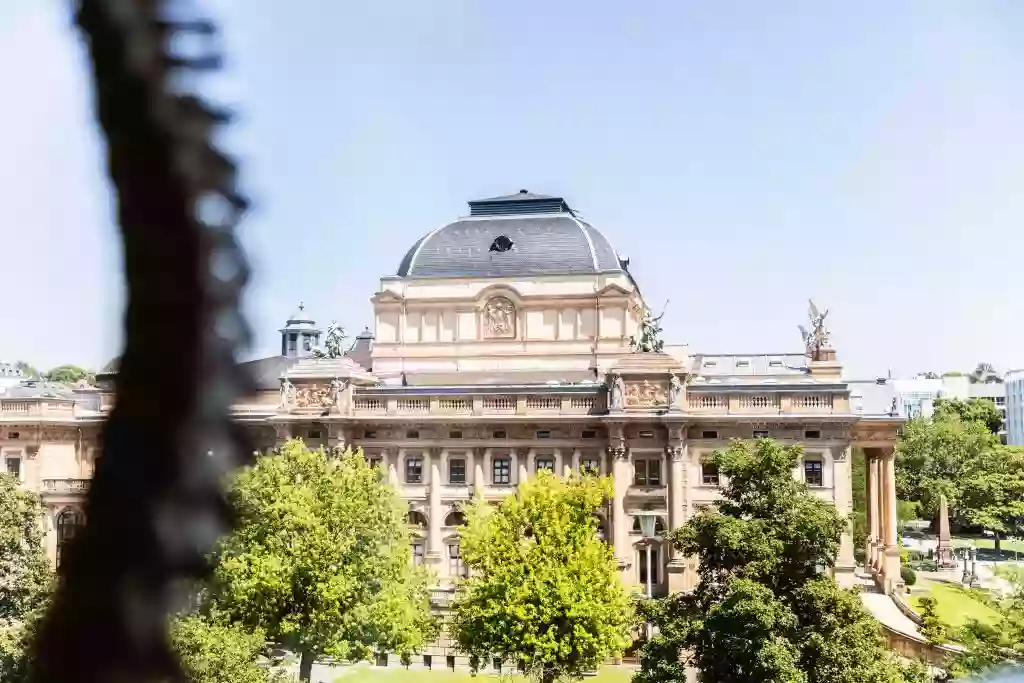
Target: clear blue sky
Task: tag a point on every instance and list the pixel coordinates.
(745, 155)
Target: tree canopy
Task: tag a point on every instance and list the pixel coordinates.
(321, 559)
(543, 589)
(764, 610)
(67, 374)
(220, 653)
(25, 575)
(981, 410)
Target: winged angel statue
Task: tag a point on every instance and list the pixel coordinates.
(649, 340)
(817, 338)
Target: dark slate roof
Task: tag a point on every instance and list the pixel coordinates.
(548, 238)
(267, 371)
(361, 348)
(38, 389)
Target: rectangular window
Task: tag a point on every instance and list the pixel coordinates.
(544, 434)
(709, 434)
(643, 566)
(455, 566)
(413, 469)
(373, 460)
(646, 435)
(455, 434)
(501, 470)
(370, 434)
(293, 342)
(307, 344)
(498, 434)
(709, 474)
(813, 474)
(14, 467)
(760, 433)
(456, 470)
(590, 464)
(412, 434)
(545, 462)
(812, 434)
(417, 553)
(428, 661)
(589, 434)
(647, 472)
(314, 433)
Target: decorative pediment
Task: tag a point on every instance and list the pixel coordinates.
(613, 289)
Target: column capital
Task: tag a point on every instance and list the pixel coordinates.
(676, 452)
(619, 452)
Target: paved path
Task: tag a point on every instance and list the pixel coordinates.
(885, 610)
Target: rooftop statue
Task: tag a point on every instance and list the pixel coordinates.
(332, 342)
(649, 340)
(817, 338)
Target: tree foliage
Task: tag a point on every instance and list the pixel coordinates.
(25, 575)
(763, 611)
(68, 374)
(220, 653)
(321, 559)
(981, 410)
(543, 589)
(956, 455)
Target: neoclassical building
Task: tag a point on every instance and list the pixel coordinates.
(509, 341)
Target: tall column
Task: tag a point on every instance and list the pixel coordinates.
(620, 479)
(876, 508)
(434, 499)
(869, 543)
(891, 560)
(842, 488)
(676, 454)
(479, 455)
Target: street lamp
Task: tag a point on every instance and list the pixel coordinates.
(648, 528)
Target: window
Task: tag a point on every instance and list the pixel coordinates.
(812, 434)
(589, 434)
(13, 466)
(646, 435)
(412, 434)
(545, 462)
(13, 435)
(307, 343)
(498, 434)
(647, 472)
(373, 460)
(709, 474)
(455, 518)
(813, 474)
(428, 661)
(590, 464)
(775, 363)
(456, 470)
(417, 553)
(742, 363)
(501, 471)
(416, 519)
(449, 661)
(370, 434)
(496, 663)
(544, 434)
(293, 342)
(68, 524)
(760, 433)
(710, 363)
(455, 434)
(501, 244)
(643, 565)
(413, 469)
(1000, 400)
(455, 566)
(314, 433)
(709, 434)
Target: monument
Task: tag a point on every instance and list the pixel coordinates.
(944, 553)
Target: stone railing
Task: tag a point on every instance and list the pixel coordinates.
(485, 404)
(17, 408)
(782, 403)
(65, 485)
(441, 597)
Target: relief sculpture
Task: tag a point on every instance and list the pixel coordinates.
(499, 318)
(645, 395)
(315, 396)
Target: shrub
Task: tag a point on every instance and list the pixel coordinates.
(908, 575)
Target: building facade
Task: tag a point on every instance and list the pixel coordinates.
(1014, 386)
(510, 341)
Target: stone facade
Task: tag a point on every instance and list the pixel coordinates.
(477, 380)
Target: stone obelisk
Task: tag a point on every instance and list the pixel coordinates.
(944, 553)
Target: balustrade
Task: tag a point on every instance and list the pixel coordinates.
(65, 485)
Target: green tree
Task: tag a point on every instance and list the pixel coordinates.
(975, 409)
(543, 589)
(67, 374)
(321, 559)
(27, 368)
(25, 575)
(220, 653)
(763, 610)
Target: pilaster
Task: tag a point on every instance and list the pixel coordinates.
(434, 554)
(620, 478)
(842, 487)
(677, 454)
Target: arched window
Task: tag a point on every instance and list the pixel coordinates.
(455, 518)
(417, 519)
(68, 523)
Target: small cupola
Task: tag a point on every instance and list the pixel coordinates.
(300, 335)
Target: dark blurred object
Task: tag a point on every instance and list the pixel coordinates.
(155, 508)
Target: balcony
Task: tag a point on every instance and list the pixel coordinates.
(574, 404)
(66, 486)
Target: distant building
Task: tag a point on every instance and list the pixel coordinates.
(1014, 410)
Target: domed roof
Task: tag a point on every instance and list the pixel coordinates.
(518, 234)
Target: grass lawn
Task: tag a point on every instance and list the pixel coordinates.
(394, 674)
(988, 543)
(954, 606)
